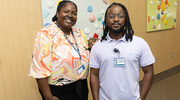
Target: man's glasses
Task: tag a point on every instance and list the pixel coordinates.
(120, 15)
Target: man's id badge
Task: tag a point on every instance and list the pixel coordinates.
(119, 62)
(81, 69)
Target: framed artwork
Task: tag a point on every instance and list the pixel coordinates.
(161, 14)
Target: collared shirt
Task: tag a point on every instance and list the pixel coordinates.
(120, 83)
(55, 58)
(109, 39)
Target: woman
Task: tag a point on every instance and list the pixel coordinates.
(60, 58)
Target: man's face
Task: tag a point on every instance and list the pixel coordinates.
(115, 19)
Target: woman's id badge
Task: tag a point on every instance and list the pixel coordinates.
(81, 69)
(119, 62)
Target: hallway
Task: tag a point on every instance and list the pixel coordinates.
(166, 89)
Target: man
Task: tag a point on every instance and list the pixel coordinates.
(116, 59)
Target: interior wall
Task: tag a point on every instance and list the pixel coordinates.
(20, 20)
(2, 91)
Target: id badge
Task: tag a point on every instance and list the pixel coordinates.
(81, 69)
(119, 62)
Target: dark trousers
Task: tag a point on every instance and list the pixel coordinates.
(74, 91)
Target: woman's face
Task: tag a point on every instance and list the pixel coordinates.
(67, 16)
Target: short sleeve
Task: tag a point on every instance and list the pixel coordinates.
(41, 56)
(147, 57)
(94, 61)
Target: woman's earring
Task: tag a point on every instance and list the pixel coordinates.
(124, 27)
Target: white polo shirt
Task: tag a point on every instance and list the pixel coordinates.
(120, 83)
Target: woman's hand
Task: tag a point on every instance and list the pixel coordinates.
(55, 98)
(91, 42)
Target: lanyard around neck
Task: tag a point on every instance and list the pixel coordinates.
(77, 50)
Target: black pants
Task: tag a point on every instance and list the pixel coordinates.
(74, 91)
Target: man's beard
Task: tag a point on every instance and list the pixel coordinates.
(117, 30)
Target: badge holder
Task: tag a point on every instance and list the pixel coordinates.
(81, 68)
(120, 61)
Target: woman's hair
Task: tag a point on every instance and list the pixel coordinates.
(61, 5)
(127, 28)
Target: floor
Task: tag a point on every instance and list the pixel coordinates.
(166, 89)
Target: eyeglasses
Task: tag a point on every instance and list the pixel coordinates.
(120, 15)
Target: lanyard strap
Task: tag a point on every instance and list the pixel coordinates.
(77, 50)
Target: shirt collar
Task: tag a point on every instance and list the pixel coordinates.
(109, 39)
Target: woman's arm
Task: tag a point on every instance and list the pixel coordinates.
(45, 89)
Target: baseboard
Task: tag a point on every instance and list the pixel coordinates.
(165, 74)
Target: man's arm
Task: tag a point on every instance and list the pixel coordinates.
(147, 81)
(45, 89)
(94, 82)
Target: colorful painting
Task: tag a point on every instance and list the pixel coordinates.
(161, 14)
